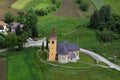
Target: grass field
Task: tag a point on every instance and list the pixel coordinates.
(84, 37)
(23, 65)
(84, 62)
(97, 3)
(27, 4)
(20, 65)
(115, 5)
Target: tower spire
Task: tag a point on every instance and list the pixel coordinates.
(53, 35)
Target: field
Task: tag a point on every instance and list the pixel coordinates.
(113, 3)
(97, 3)
(20, 65)
(67, 10)
(27, 4)
(5, 7)
(2, 68)
(23, 65)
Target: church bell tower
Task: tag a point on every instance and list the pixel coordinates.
(53, 45)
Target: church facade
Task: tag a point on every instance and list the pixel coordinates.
(62, 52)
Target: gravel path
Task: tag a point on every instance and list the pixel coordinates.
(100, 58)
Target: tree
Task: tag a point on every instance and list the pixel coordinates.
(94, 20)
(79, 1)
(34, 32)
(18, 30)
(8, 18)
(106, 36)
(84, 5)
(21, 16)
(21, 13)
(42, 45)
(31, 22)
(10, 40)
(47, 44)
(2, 39)
(105, 12)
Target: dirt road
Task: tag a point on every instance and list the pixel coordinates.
(67, 10)
(2, 68)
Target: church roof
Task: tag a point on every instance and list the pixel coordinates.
(2, 23)
(64, 47)
(53, 35)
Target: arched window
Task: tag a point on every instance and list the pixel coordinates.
(52, 42)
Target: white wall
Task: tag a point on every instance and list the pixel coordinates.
(62, 58)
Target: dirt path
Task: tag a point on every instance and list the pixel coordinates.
(5, 7)
(67, 10)
(2, 68)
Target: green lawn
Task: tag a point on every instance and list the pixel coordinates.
(20, 65)
(115, 5)
(31, 69)
(84, 37)
(27, 4)
(85, 61)
(97, 3)
(96, 73)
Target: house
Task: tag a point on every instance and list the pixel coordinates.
(15, 25)
(62, 52)
(3, 27)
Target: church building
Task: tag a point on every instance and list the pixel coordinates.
(62, 52)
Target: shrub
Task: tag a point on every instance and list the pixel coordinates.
(106, 36)
(2, 39)
(8, 17)
(41, 12)
(84, 5)
(78, 1)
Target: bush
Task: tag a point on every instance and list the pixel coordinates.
(2, 39)
(78, 1)
(8, 17)
(56, 2)
(41, 12)
(106, 36)
(84, 5)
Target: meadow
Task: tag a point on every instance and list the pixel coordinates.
(113, 3)
(23, 65)
(66, 31)
(27, 4)
(20, 65)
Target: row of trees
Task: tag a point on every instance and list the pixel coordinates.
(55, 4)
(107, 24)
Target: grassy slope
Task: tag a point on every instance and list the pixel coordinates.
(96, 73)
(97, 3)
(113, 3)
(65, 29)
(20, 66)
(20, 4)
(27, 4)
(84, 61)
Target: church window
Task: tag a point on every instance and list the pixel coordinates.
(52, 42)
